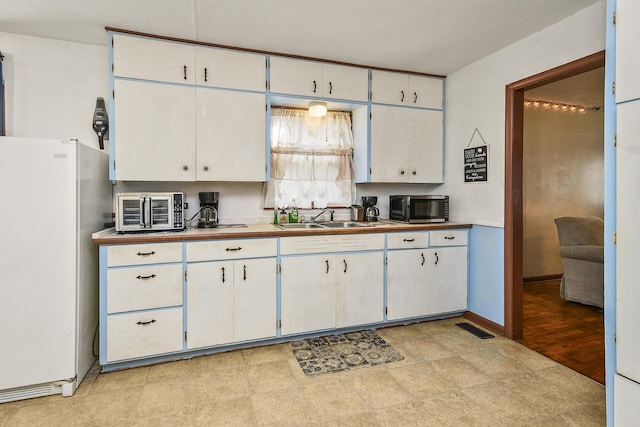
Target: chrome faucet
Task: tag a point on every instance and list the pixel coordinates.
(331, 211)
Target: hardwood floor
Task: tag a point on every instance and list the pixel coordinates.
(569, 333)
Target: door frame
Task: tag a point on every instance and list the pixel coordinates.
(513, 191)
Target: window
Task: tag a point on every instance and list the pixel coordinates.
(311, 160)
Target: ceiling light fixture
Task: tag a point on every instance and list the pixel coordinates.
(536, 103)
(317, 109)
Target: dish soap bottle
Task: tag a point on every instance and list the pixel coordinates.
(293, 213)
(283, 217)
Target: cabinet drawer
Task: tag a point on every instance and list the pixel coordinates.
(144, 334)
(231, 249)
(153, 253)
(141, 288)
(410, 240)
(329, 243)
(448, 238)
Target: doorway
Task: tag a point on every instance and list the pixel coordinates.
(514, 163)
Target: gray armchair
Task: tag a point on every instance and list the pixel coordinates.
(582, 252)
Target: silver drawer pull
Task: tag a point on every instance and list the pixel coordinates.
(151, 276)
(449, 237)
(233, 249)
(146, 253)
(408, 240)
(146, 323)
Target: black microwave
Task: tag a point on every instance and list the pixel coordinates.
(419, 209)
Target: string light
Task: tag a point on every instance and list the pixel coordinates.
(538, 103)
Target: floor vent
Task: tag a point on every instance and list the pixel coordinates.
(475, 331)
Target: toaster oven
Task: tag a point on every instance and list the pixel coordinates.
(149, 211)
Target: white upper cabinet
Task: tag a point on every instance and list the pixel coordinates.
(230, 135)
(155, 131)
(627, 58)
(230, 69)
(406, 89)
(148, 59)
(318, 80)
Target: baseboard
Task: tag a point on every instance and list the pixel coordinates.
(485, 323)
(545, 278)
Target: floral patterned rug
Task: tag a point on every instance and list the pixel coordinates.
(333, 353)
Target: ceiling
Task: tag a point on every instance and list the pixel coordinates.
(586, 90)
(428, 36)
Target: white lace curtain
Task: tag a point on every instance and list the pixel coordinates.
(311, 160)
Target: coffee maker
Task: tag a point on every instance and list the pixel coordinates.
(208, 209)
(371, 213)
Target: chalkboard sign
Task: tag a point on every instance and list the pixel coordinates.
(475, 164)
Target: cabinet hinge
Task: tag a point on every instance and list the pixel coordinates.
(278, 268)
(185, 336)
(279, 324)
(113, 68)
(386, 260)
(615, 140)
(615, 15)
(185, 275)
(112, 44)
(370, 171)
(613, 88)
(114, 165)
(386, 310)
(266, 107)
(615, 238)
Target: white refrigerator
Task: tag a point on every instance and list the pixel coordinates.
(55, 194)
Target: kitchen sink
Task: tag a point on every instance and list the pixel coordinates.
(343, 224)
(300, 226)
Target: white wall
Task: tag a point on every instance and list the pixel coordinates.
(475, 98)
(563, 175)
(52, 86)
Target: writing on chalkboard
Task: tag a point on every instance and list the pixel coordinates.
(476, 162)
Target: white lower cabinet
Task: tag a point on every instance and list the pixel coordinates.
(407, 283)
(307, 289)
(230, 301)
(334, 289)
(359, 288)
(144, 333)
(447, 284)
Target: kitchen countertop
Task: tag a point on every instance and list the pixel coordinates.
(110, 236)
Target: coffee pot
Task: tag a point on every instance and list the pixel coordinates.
(208, 209)
(371, 213)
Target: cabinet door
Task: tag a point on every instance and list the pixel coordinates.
(228, 69)
(389, 139)
(254, 299)
(447, 291)
(154, 135)
(425, 92)
(148, 59)
(230, 135)
(307, 289)
(407, 275)
(425, 146)
(359, 288)
(627, 58)
(295, 77)
(343, 82)
(209, 303)
(390, 88)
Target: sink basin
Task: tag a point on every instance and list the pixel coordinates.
(343, 224)
(300, 226)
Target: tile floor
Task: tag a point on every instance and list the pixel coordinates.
(448, 378)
